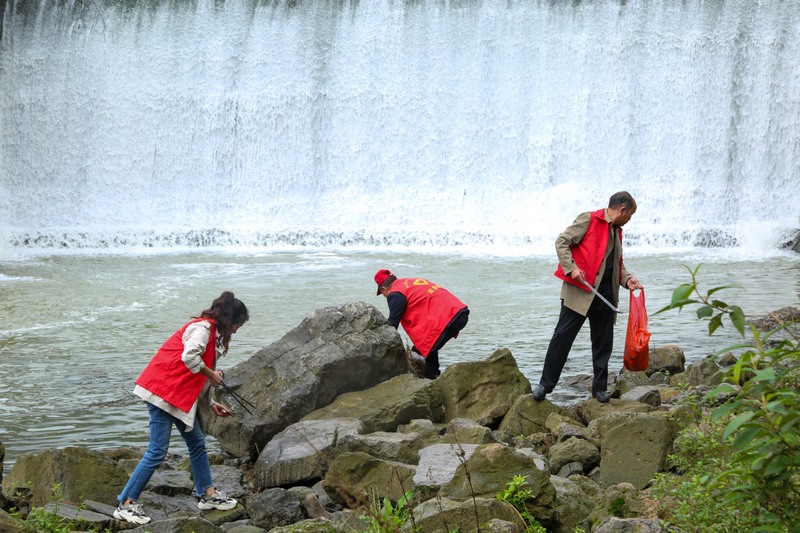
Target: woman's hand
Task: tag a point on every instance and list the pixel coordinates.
(214, 376)
(220, 410)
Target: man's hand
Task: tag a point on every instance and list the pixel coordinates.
(634, 284)
(578, 275)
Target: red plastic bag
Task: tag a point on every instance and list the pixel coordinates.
(637, 340)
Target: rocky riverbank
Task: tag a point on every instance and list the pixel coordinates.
(341, 420)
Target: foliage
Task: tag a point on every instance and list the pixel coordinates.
(516, 494)
(388, 518)
(40, 520)
(746, 455)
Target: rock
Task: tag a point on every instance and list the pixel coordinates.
(301, 452)
(387, 405)
(445, 515)
(401, 447)
(648, 395)
(355, 477)
(482, 391)
(631, 525)
(527, 416)
(668, 358)
(437, 466)
(193, 524)
(634, 446)
(80, 473)
(703, 372)
(9, 524)
(275, 508)
(572, 508)
(491, 467)
(775, 319)
(463, 431)
(573, 449)
(333, 351)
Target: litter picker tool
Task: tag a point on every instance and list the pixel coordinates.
(600, 296)
(244, 402)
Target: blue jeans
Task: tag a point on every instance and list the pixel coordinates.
(160, 430)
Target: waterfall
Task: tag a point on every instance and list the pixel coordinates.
(451, 124)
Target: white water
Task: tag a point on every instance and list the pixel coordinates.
(480, 125)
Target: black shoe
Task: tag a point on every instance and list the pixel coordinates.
(601, 396)
(540, 392)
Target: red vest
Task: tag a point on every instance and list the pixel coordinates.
(430, 308)
(168, 377)
(588, 254)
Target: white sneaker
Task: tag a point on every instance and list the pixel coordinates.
(133, 513)
(218, 500)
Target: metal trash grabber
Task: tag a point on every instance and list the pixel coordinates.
(244, 402)
(601, 297)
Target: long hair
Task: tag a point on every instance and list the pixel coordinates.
(226, 311)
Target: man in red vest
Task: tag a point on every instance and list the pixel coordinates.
(589, 251)
(430, 314)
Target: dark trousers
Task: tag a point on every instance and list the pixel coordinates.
(457, 323)
(601, 324)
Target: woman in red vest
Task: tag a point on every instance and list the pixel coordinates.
(176, 386)
(430, 315)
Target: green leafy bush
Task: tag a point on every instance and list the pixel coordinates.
(741, 465)
(516, 494)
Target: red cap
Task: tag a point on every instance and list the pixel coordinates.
(380, 277)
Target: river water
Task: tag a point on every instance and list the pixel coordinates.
(78, 329)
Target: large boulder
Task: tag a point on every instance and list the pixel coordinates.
(333, 351)
(80, 473)
(354, 478)
(387, 405)
(490, 468)
(445, 515)
(482, 391)
(300, 453)
(634, 446)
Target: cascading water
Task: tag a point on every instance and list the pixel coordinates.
(459, 124)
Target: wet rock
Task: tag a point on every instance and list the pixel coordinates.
(335, 350)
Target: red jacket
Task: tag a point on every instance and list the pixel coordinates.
(589, 253)
(430, 308)
(168, 377)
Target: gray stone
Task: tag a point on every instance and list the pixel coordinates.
(444, 514)
(573, 449)
(482, 391)
(387, 405)
(648, 395)
(333, 351)
(356, 477)
(301, 452)
(668, 358)
(81, 473)
(193, 524)
(631, 525)
(437, 466)
(275, 508)
(573, 506)
(463, 431)
(489, 469)
(634, 446)
(401, 447)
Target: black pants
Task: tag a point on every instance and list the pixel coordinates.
(601, 324)
(457, 323)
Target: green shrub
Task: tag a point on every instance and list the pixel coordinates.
(741, 465)
(516, 494)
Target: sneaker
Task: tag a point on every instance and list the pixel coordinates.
(218, 500)
(132, 513)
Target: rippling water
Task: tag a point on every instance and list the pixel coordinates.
(78, 329)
